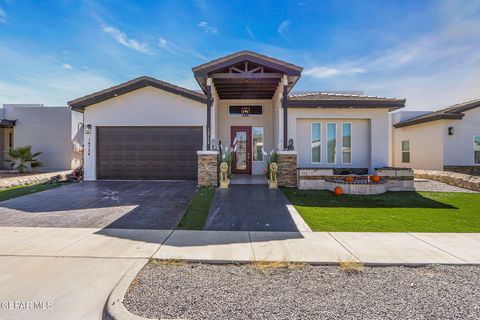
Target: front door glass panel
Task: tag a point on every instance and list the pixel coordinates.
(241, 150)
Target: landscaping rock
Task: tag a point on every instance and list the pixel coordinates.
(452, 178)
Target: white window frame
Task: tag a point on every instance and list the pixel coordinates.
(474, 149)
(263, 148)
(326, 144)
(409, 151)
(351, 143)
(245, 105)
(311, 142)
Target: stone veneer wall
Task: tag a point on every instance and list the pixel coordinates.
(398, 179)
(40, 177)
(470, 170)
(207, 168)
(287, 168)
(453, 178)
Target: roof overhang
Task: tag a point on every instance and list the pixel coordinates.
(246, 75)
(132, 85)
(406, 123)
(347, 104)
(5, 123)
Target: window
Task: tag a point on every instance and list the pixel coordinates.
(476, 149)
(406, 151)
(346, 143)
(316, 138)
(257, 136)
(243, 110)
(331, 142)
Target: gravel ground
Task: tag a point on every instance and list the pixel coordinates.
(437, 186)
(196, 291)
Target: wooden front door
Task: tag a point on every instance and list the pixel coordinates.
(241, 138)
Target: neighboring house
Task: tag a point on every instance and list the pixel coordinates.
(47, 129)
(149, 129)
(447, 139)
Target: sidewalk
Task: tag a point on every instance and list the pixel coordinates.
(76, 269)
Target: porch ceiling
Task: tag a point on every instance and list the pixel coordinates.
(239, 88)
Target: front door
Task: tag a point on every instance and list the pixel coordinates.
(241, 138)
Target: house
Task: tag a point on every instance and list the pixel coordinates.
(149, 129)
(446, 139)
(46, 129)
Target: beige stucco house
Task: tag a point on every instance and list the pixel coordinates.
(446, 139)
(149, 129)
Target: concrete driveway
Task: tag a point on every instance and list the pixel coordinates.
(102, 204)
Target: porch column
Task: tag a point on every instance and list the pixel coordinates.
(209, 112)
(285, 115)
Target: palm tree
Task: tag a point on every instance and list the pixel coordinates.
(22, 156)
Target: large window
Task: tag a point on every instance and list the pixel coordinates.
(316, 142)
(257, 137)
(476, 149)
(331, 142)
(406, 151)
(346, 143)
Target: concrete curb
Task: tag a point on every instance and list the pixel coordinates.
(114, 309)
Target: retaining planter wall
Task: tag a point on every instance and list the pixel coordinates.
(398, 179)
(32, 179)
(455, 179)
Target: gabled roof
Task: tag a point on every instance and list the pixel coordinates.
(455, 112)
(132, 85)
(247, 55)
(342, 100)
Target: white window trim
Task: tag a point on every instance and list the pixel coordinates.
(245, 105)
(326, 144)
(263, 135)
(409, 153)
(351, 143)
(311, 143)
(474, 146)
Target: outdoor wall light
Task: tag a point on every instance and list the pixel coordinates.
(451, 131)
(88, 129)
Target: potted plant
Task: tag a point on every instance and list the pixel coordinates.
(271, 172)
(225, 172)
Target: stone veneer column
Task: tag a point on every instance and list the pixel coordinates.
(207, 168)
(287, 168)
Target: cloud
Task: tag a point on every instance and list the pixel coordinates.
(207, 28)
(327, 72)
(67, 66)
(250, 33)
(174, 49)
(124, 40)
(3, 16)
(283, 28)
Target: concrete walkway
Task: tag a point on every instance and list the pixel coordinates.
(69, 272)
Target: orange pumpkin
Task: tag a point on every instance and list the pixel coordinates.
(376, 178)
(349, 179)
(338, 191)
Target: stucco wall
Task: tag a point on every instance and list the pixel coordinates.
(426, 145)
(226, 121)
(459, 147)
(143, 107)
(378, 132)
(360, 143)
(46, 129)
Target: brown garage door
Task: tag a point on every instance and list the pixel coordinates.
(156, 153)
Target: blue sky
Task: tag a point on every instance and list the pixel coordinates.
(425, 51)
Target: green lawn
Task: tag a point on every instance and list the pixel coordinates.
(19, 191)
(197, 212)
(389, 212)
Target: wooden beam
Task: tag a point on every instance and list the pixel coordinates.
(246, 75)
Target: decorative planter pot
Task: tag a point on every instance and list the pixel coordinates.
(224, 181)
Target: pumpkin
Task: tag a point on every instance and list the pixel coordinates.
(349, 179)
(338, 191)
(376, 178)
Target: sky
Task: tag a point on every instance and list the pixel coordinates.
(425, 51)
